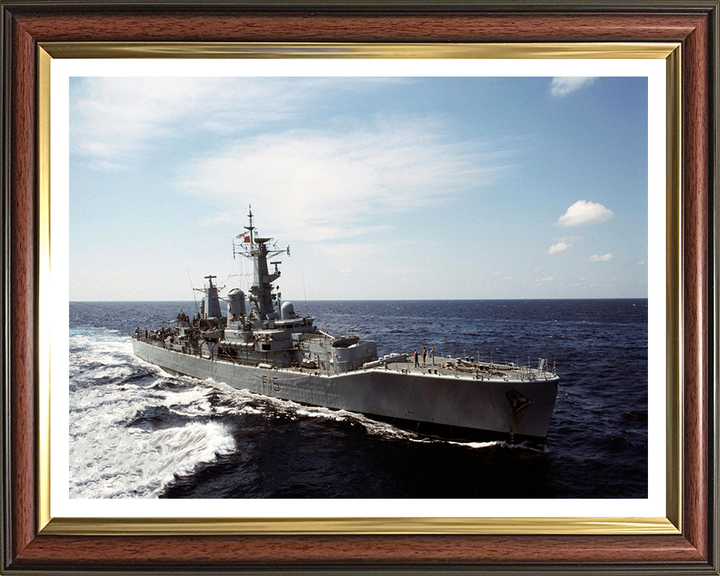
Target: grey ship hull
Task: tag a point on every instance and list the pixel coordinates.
(454, 405)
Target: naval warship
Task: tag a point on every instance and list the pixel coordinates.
(264, 346)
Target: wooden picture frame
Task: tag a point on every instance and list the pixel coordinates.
(29, 547)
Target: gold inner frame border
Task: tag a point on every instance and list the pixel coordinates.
(671, 524)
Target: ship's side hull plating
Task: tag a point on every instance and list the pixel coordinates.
(441, 402)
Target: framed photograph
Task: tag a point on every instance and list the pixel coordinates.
(468, 190)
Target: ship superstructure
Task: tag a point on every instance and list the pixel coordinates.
(266, 347)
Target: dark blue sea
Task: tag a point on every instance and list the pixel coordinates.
(137, 432)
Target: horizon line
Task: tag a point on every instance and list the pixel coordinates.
(393, 299)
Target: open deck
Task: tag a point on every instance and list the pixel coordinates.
(448, 366)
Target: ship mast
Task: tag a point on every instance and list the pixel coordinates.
(250, 228)
(261, 292)
(212, 302)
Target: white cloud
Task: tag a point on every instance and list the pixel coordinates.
(563, 85)
(559, 247)
(361, 254)
(541, 281)
(603, 258)
(322, 185)
(112, 118)
(583, 212)
(498, 273)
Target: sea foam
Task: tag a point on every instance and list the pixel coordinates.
(110, 455)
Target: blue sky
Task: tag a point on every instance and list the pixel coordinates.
(385, 188)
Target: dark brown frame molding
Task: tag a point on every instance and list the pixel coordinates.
(25, 24)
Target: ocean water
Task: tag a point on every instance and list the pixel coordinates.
(138, 432)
